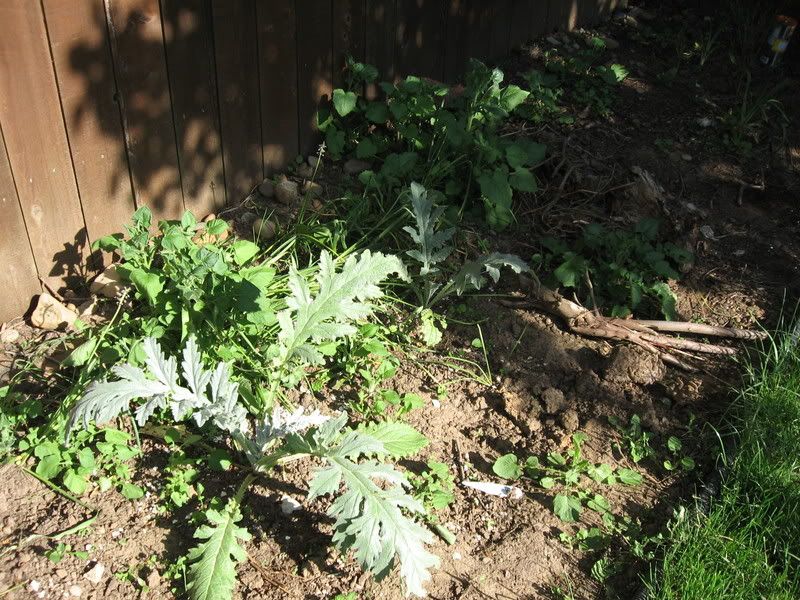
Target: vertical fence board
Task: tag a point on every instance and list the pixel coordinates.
(379, 40)
(315, 66)
(520, 21)
(189, 41)
(278, 80)
(479, 29)
(236, 46)
(18, 276)
(85, 75)
(420, 38)
(349, 37)
(501, 28)
(456, 40)
(38, 150)
(138, 44)
(539, 18)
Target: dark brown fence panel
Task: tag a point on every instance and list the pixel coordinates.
(420, 38)
(379, 33)
(85, 74)
(349, 17)
(521, 21)
(18, 276)
(315, 67)
(539, 18)
(137, 41)
(277, 57)
(236, 51)
(479, 29)
(501, 28)
(189, 39)
(38, 151)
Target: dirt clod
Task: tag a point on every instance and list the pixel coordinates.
(629, 363)
(554, 400)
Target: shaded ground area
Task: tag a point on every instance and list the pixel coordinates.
(739, 215)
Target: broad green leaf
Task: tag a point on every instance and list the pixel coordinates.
(244, 251)
(366, 148)
(344, 102)
(507, 467)
(81, 355)
(147, 283)
(547, 482)
(567, 508)
(523, 180)
(399, 439)
(377, 112)
(512, 96)
(629, 477)
(49, 466)
(131, 491)
(74, 482)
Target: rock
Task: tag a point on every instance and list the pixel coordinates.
(34, 586)
(75, 591)
(248, 218)
(289, 505)
(266, 188)
(51, 314)
(570, 421)
(305, 171)
(553, 40)
(202, 237)
(95, 574)
(209, 217)
(109, 283)
(153, 579)
(314, 161)
(9, 336)
(263, 230)
(287, 192)
(312, 188)
(355, 166)
(629, 363)
(554, 400)
(686, 157)
(88, 308)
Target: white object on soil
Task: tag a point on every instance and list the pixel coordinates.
(289, 505)
(494, 489)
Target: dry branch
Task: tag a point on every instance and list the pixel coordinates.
(645, 334)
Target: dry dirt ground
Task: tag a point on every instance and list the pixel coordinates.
(546, 383)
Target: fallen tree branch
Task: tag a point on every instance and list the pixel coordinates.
(644, 333)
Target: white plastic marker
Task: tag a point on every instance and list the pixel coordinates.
(494, 489)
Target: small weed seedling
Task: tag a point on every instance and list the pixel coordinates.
(635, 440)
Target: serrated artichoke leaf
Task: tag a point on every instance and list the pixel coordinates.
(342, 298)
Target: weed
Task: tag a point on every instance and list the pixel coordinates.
(57, 553)
(618, 268)
(417, 133)
(635, 440)
(744, 123)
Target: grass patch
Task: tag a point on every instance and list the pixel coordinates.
(748, 545)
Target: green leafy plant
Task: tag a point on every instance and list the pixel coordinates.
(744, 123)
(623, 270)
(434, 280)
(566, 473)
(375, 521)
(449, 142)
(590, 82)
(635, 440)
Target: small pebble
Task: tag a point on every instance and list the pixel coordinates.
(456, 555)
(75, 591)
(34, 586)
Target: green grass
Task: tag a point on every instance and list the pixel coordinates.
(748, 545)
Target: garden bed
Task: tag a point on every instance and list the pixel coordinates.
(506, 379)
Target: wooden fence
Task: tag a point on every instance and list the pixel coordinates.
(106, 105)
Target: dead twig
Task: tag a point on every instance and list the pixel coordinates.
(645, 334)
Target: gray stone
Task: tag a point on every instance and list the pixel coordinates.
(51, 314)
(355, 166)
(266, 188)
(305, 171)
(263, 230)
(287, 192)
